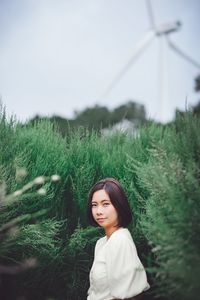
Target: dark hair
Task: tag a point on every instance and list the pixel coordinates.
(118, 199)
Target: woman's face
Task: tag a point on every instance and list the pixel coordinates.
(104, 213)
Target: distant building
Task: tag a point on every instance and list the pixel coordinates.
(124, 126)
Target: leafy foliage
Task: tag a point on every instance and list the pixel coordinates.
(159, 169)
(96, 118)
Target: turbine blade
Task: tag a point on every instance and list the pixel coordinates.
(182, 54)
(139, 48)
(150, 14)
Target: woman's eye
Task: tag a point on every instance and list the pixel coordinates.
(93, 205)
(106, 204)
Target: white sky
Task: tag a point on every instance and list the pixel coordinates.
(59, 56)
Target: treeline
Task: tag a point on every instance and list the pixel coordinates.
(46, 221)
(98, 117)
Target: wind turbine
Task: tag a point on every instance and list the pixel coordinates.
(162, 31)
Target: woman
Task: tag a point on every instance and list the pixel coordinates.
(117, 272)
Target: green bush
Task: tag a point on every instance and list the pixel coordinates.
(172, 222)
(159, 169)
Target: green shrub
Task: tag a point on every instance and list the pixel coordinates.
(172, 222)
(159, 169)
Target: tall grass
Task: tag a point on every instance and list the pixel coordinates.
(172, 222)
(159, 169)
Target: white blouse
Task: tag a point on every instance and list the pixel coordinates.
(117, 271)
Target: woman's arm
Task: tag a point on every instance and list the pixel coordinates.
(125, 273)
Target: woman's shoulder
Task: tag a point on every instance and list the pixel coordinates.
(120, 249)
(101, 241)
(121, 238)
(122, 234)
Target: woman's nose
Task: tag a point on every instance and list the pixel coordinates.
(99, 210)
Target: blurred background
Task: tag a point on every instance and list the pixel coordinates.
(61, 57)
(99, 89)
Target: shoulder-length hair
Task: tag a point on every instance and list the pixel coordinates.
(118, 199)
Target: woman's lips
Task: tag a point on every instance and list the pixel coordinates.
(100, 220)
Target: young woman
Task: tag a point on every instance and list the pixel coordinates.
(117, 272)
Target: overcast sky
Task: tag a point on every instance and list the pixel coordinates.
(60, 56)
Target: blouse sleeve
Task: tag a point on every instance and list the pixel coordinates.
(126, 275)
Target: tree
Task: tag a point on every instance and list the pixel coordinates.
(196, 109)
(197, 83)
(97, 117)
(131, 111)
